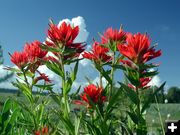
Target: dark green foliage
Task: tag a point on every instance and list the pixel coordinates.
(173, 95)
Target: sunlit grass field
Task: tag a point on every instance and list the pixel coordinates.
(167, 111)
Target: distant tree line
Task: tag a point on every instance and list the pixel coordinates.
(172, 95)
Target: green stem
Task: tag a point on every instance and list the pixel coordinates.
(159, 113)
(141, 126)
(25, 79)
(100, 77)
(112, 75)
(66, 104)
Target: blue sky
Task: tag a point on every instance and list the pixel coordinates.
(27, 20)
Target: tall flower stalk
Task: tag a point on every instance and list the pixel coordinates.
(138, 51)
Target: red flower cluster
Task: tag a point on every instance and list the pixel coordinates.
(94, 93)
(64, 36)
(44, 131)
(113, 35)
(32, 53)
(98, 54)
(20, 59)
(137, 49)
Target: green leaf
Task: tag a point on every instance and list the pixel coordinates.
(56, 97)
(149, 74)
(45, 86)
(119, 67)
(133, 76)
(130, 93)
(105, 74)
(68, 85)
(114, 100)
(74, 73)
(25, 90)
(134, 117)
(69, 61)
(67, 123)
(55, 68)
(77, 124)
(146, 66)
(51, 49)
(7, 106)
(149, 100)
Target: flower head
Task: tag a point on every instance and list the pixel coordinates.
(61, 37)
(98, 54)
(114, 35)
(20, 59)
(45, 130)
(94, 93)
(37, 133)
(138, 48)
(64, 34)
(34, 51)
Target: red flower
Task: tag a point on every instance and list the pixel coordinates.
(45, 130)
(37, 133)
(64, 34)
(20, 59)
(94, 93)
(138, 48)
(114, 35)
(42, 77)
(99, 53)
(143, 83)
(34, 51)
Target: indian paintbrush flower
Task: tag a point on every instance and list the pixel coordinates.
(20, 59)
(98, 54)
(137, 49)
(94, 93)
(113, 35)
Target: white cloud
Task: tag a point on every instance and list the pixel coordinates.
(156, 81)
(96, 81)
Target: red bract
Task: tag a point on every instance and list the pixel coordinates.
(37, 133)
(138, 48)
(42, 77)
(114, 35)
(34, 51)
(45, 130)
(77, 49)
(98, 54)
(64, 34)
(62, 38)
(20, 59)
(94, 93)
(143, 83)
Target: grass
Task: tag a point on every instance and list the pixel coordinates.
(152, 117)
(165, 109)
